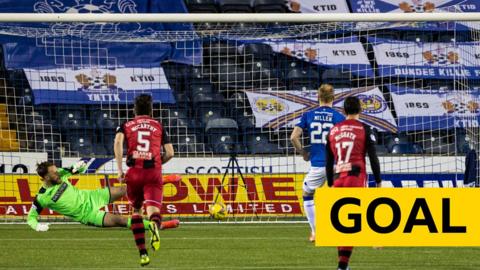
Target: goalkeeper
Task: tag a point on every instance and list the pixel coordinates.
(59, 195)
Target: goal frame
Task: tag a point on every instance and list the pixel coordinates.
(238, 17)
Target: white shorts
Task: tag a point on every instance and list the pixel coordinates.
(314, 179)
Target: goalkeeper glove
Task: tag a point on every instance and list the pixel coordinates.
(42, 227)
(80, 166)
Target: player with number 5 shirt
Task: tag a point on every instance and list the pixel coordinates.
(145, 139)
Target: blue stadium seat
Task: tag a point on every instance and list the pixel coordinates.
(259, 51)
(180, 118)
(220, 50)
(222, 135)
(396, 139)
(270, 6)
(438, 85)
(246, 122)
(201, 6)
(406, 148)
(187, 143)
(105, 119)
(26, 100)
(235, 6)
(260, 144)
(176, 74)
(82, 144)
(208, 106)
(261, 70)
(235, 77)
(198, 87)
(182, 100)
(337, 78)
(417, 36)
(303, 79)
(71, 119)
(457, 36)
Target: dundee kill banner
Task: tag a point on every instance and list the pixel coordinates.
(435, 109)
(428, 60)
(91, 86)
(421, 6)
(283, 108)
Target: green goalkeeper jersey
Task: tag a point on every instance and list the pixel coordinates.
(63, 198)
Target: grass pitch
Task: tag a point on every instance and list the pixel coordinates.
(208, 246)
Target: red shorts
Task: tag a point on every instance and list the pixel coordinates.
(144, 186)
(351, 181)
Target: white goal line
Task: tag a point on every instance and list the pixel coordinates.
(239, 17)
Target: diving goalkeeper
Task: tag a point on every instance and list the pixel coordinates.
(59, 195)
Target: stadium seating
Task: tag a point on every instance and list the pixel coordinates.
(303, 79)
(201, 6)
(235, 6)
(258, 143)
(206, 94)
(406, 148)
(222, 134)
(208, 106)
(269, 6)
(337, 78)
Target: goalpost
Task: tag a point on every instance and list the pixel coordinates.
(234, 81)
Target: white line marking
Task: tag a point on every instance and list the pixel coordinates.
(163, 238)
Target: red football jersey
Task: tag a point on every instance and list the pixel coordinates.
(144, 137)
(348, 143)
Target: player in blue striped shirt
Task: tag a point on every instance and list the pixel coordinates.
(317, 123)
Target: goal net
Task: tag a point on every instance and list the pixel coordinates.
(234, 90)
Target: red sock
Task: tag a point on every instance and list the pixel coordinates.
(344, 254)
(139, 233)
(157, 218)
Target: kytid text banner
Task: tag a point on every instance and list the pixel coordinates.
(319, 6)
(344, 53)
(96, 85)
(428, 60)
(435, 109)
(397, 217)
(284, 108)
(420, 6)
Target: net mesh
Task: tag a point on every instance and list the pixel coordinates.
(240, 88)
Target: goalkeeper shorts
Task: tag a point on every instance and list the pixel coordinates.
(98, 198)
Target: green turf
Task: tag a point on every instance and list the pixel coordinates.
(208, 246)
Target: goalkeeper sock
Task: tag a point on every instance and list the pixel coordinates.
(138, 230)
(157, 218)
(344, 254)
(309, 207)
(129, 223)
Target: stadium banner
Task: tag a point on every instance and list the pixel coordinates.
(319, 6)
(50, 45)
(427, 60)
(270, 194)
(420, 6)
(20, 162)
(94, 86)
(342, 53)
(401, 217)
(435, 109)
(277, 194)
(284, 109)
